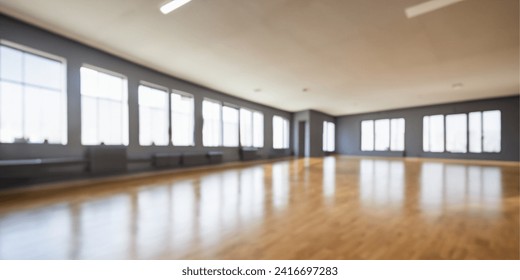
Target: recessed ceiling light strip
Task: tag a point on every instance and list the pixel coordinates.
(428, 6)
(172, 5)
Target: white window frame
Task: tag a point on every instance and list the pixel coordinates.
(63, 92)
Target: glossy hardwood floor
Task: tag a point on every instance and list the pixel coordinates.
(331, 208)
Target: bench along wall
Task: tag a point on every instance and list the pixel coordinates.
(138, 157)
(348, 129)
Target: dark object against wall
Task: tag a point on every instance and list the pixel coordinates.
(107, 159)
(348, 129)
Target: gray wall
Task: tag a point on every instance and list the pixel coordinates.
(76, 55)
(348, 129)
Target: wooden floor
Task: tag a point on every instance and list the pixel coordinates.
(331, 208)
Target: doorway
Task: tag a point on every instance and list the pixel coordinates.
(302, 127)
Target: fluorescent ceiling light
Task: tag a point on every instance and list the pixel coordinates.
(428, 6)
(172, 5)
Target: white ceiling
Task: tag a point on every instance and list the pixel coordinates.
(354, 56)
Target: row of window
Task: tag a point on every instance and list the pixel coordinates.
(33, 108)
(475, 132)
(451, 133)
(382, 135)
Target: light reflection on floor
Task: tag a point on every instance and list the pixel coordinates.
(382, 184)
(458, 187)
(335, 207)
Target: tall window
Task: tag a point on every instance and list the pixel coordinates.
(383, 135)
(251, 128)
(280, 133)
(182, 119)
(483, 128)
(32, 96)
(397, 128)
(329, 130)
(153, 116)
(367, 135)
(230, 126)
(456, 133)
(104, 108)
(258, 130)
(211, 129)
(491, 131)
(246, 128)
(475, 132)
(433, 133)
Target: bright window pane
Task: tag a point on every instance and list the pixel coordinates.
(104, 108)
(11, 108)
(111, 128)
(456, 133)
(285, 133)
(42, 72)
(246, 128)
(324, 137)
(11, 64)
(331, 132)
(89, 82)
(475, 132)
(32, 98)
(89, 121)
(367, 135)
(397, 137)
(491, 128)
(280, 133)
(258, 130)
(33, 122)
(153, 116)
(277, 132)
(433, 133)
(426, 134)
(211, 129)
(110, 87)
(182, 120)
(436, 134)
(230, 122)
(382, 132)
